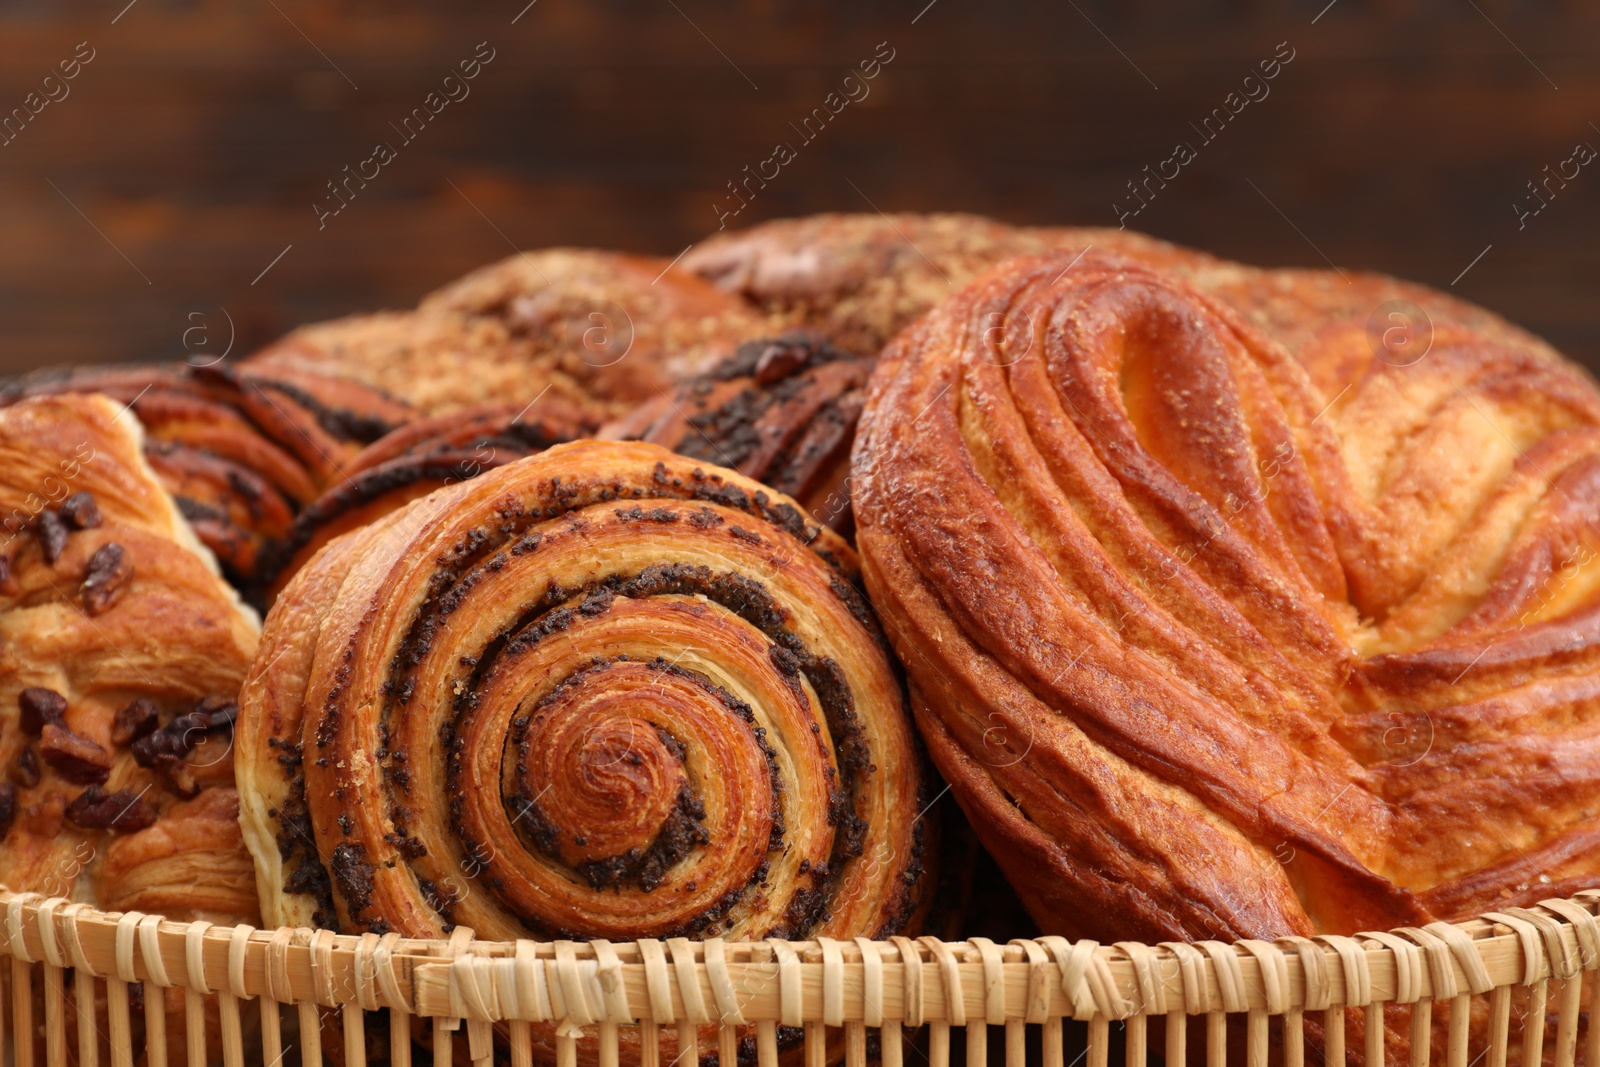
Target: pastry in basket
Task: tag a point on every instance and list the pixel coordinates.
(413, 461)
(600, 328)
(121, 653)
(1216, 641)
(241, 453)
(601, 692)
(1128, 534)
(782, 411)
(859, 279)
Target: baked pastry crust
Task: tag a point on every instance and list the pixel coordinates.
(121, 650)
(171, 631)
(781, 410)
(412, 462)
(607, 571)
(603, 691)
(241, 453)
(1213, 640)
(859, 279)
(601, 329)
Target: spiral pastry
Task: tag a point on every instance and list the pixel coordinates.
(603, 691)
(241, 453)
(412, 462)
(782, 411)
(1211, 641)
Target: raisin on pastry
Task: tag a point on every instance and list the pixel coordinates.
(121, 652)
(241, 452)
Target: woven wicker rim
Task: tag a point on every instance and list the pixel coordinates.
(716, 982)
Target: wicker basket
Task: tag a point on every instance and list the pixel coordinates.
(837, 992)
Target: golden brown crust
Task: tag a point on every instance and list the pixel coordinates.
(439, 362)
(412, 462)
(602, 691)
(240, 452)
(1217, 644)
(780, 410)
(536, 426)
(859, 279)
(593, 546)
(1333, 320)
(121, 650)
(599, 329)
(186, 865)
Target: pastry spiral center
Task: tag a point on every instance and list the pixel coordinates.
(621, 774)
(610, 788)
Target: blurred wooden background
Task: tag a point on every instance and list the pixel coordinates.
(187, 154)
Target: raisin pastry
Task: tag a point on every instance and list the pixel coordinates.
(121, 653)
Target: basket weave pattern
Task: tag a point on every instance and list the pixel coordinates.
(469, 989)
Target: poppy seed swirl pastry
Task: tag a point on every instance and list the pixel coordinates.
(1216, 641)
(781, 410)
(414, 460)
(602, 691)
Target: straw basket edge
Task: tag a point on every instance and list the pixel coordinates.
(463, 982)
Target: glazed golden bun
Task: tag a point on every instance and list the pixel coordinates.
(1213, 639)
